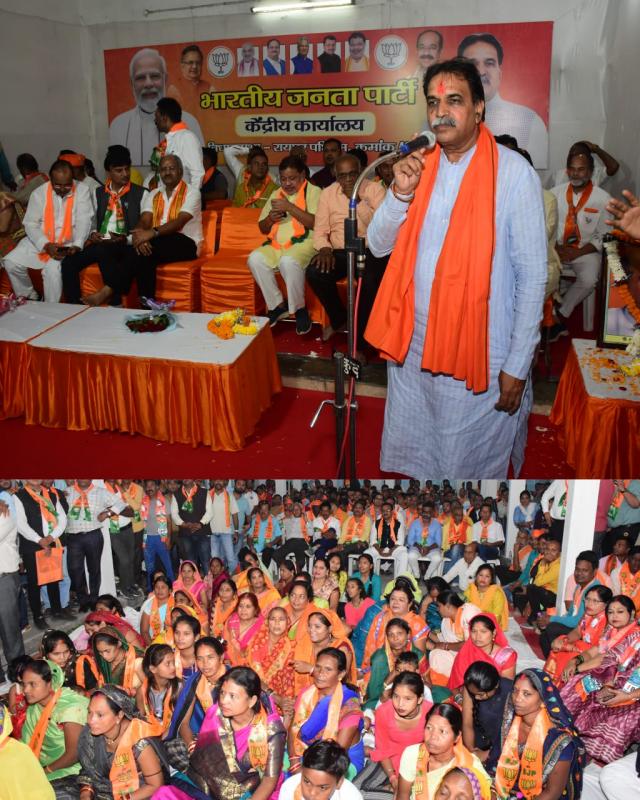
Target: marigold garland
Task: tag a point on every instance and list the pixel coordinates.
(229, 323)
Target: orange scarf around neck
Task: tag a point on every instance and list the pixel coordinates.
(124, 770)
(49, 220)
(529, 765)
(299, 231)
(47, 508)
(40, 731)
(571, 234)
(178, 126)
(175, 204)
(457, 337)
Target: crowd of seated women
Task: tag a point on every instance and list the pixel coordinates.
(323, 685)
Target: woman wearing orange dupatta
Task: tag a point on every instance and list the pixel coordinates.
(262, 586)
(587, 634)
(400, 606)
(324, 629)
(223, 607)
(423, 766)
(271, 656)
(185, 597)
(119, 755)
(486, 595)
(160, 688)
(118, 662)
(241, 628)
(298, 605)
(155, 613)
(454, 632)
(189, 578)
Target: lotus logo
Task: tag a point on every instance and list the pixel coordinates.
(391, 52)
(220, 62)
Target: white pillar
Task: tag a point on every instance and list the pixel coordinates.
(578, 528)
(515, 490)
(281, 486)
(489, 488)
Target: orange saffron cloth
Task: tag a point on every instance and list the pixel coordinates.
(457, 337)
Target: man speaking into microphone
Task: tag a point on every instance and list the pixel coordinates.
(458, 312)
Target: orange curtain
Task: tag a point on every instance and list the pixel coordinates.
(600, 437)
(171, 401)
(13, 371)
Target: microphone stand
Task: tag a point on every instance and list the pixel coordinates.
(347, 366)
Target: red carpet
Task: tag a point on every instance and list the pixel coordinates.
(283, 447)
(287, 341)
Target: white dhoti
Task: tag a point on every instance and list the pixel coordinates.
(435, 560)
(587, 270)
(25, 257)
(292, 272)
(399, 557)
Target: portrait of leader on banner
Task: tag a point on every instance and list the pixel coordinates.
(136, 128)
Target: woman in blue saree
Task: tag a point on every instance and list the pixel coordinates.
(328, 709)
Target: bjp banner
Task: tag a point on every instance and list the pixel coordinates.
(364, 88)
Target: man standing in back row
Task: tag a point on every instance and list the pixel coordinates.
(458, 312)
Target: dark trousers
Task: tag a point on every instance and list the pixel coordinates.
(296, 546)
(123, 547)
(28, 556)
(111, 258)
(507, 575)
(556, 531)
(551, 632)
(10, 633)
(324, 285)
(85, 547)
(174, 247)
(196, 547)
(488, 552)
(539, 600)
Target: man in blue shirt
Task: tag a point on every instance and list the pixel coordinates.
(272, 63)
(586, 576)
(302, 64)
(265, 533)
(425, 540)
(245, 510)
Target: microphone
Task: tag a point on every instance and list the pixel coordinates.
(425, 139)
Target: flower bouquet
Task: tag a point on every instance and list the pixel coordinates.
(229, 323)
(9, 302)
(158, 319)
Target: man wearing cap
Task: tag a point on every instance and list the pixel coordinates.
(78, 161)
(57, 223)
(118, 212)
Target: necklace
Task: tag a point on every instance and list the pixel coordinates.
(115, 738)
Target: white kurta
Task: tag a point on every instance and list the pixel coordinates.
(186, 146)
(137, 130)
(25, 255)
(435, 426)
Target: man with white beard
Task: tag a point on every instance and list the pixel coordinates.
(136, 128)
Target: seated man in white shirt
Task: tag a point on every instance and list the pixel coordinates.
(57, 224)
(170, 227)
(464, 571)
(320, 774)
(78, 163)
(180, 141)
(581, 226)
(488, 534)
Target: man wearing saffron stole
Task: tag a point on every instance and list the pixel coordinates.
(118, 212)
(254, 184)
(179, 140)
(458, 311)
(170, 227)
(57, 223)
(287, 220)
(581, 226)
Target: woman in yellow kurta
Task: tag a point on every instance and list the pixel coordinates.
(22, 776)
(488, 596)
(287, 220)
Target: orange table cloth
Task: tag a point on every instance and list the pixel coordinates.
(17, 329)
(597, 409)
(184, 385)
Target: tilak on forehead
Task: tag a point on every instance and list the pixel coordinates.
(441, 88)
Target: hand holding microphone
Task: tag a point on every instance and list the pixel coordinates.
(407, 171)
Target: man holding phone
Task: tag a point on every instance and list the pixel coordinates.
(118, 211)
(57, 222)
